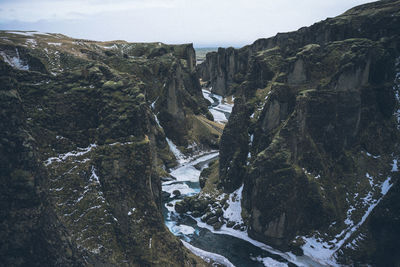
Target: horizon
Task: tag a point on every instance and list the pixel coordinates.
(205, 24)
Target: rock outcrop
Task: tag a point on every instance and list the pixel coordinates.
(316, 134)
(82, 150)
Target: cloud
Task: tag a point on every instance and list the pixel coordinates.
(204, 22)
(31, 11)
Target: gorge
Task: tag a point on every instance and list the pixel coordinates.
(280, 153)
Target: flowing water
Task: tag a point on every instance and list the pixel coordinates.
(226, 246)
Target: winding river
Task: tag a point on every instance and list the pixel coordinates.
(226, 246)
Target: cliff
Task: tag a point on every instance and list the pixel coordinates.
(313, 136)
(83, 152)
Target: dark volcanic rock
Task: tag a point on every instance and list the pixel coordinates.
(314, 134)
(82, 154)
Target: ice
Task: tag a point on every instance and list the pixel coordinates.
(270, 262)
(218, 111)
(234, 211)
(182, 187)
(208, 255)
(189, 172)
(183, 229)
(206, 95)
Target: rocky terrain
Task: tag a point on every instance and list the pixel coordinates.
(308, 157)
(312, 145)
(83, 150)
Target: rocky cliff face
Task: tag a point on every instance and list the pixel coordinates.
(82, 150)
(316, 135)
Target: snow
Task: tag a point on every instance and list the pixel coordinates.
(55, 44)
(94, 176)
(370, 155)
(234, 211)
(177, 153)
(14, 61)
(270, 262)
(370, 179)
(131, 211)
(386, 186)
(394, 166)
(153, 104)
(157, 121)
(63, 157)
(31, 42)
(208, 255)
(114, 46)
(218, 116)
(218, 111)
(27, 33)
(321, 251)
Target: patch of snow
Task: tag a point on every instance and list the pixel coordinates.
(386, 186)
(394, 166)
(370, 179)
(370, 155)
(131, 211)
(94, 176)
(205, 255)
(153, 104)
(31, 42)
(234, 211)
(14, 61)
(55, 44)
(298, 260)
(114, 46)
(218, 116)
(63, 157)
(270, 262)
(323, 252)
(27, 33)
(177, 153)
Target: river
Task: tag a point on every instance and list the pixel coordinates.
(226, 246)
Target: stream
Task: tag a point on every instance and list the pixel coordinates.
(227, 247)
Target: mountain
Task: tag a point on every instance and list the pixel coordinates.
(84, 145)
(313, 138)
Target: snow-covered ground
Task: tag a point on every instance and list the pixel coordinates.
(208, 255)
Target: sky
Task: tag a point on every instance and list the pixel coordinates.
(206, 23)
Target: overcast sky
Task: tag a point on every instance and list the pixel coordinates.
(202, 22)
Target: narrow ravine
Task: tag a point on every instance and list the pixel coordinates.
(226, 246)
